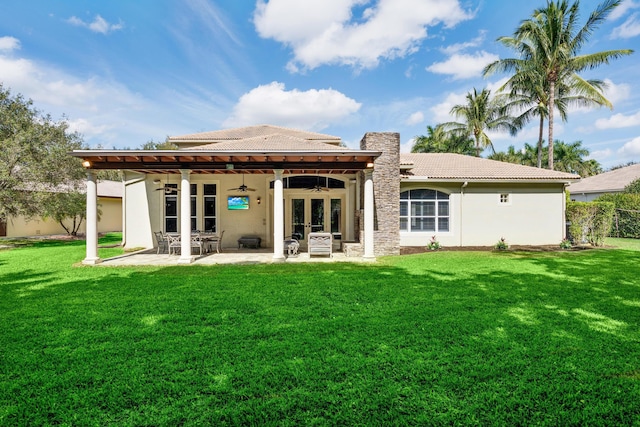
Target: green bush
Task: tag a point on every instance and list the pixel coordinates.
(627, 214)
(590, 221)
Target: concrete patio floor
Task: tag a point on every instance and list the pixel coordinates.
(227, 256)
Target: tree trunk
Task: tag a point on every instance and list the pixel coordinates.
(541, 130)
(552, 92)
(477, 146)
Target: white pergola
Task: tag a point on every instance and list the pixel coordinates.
(187, 162)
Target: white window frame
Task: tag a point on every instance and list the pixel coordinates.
(438, 200)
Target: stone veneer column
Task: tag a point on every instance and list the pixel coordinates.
(386, 190)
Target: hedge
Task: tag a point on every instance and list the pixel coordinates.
(627, 214)
(589, 221)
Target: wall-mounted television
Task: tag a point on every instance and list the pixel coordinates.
(235, 203)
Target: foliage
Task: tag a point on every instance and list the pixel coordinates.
(433, 244)
(549, 46)
(590, 221)
(481, 113)
(565, 244)
(34, 157)
(570, 157)
(502, 245)
(633, 187)
(153, 145)
(66, 208)
(627, 214)
(439, 141)
(445, 338)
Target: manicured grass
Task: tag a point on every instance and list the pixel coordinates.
(444, 338)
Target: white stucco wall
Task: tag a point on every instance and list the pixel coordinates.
(534, 215)
(110, 220)
(144, 210)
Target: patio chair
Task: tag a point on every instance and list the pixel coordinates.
(162, 242)
(320, 244)
(197, 242)
(291, 245)
(173, 242)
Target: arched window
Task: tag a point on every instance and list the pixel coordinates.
(310, 182)
(424, 210)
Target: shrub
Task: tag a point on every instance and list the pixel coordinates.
(589, 221)
(627, 214)
(433, 245)
(565, 244)
(502, 245)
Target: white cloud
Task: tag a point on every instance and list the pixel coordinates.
(406, 146)
(616, 92)
(462, 65)
(631, 148)
(327, 32)
(99, 24)
(441, 111)
(600, 154)
(619, 121)
(415, 118)
(457, 47)
(94, 107)
(8, 44)
(309, 110)
(624, 7)
(629, 28)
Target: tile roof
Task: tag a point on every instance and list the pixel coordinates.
(608, 182)
(271, 142)
(448, 166)
(251, 132)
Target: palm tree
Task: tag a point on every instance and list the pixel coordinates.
(570, 158)
(438, 140)
(479, 114)
(549, 44)
(528, 93)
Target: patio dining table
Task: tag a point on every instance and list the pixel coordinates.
(209, 241)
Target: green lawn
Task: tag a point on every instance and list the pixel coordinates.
(443, 338)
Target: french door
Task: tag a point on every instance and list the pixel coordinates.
(310, 213)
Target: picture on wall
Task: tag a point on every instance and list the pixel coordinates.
(237, 202)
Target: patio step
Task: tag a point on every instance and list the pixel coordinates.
(352, 249)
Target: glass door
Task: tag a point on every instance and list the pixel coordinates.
(307, 215)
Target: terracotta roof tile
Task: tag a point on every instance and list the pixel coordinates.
(254, 131)
(448, 166)
(612, 181)
(272, 142)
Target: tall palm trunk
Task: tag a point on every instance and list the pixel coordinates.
(552, 92)
(540, 131)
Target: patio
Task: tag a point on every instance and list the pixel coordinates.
(229, 256)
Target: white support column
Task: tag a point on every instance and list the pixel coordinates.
(92, 220)
(278, 216)
(185, 218)
(368, 215)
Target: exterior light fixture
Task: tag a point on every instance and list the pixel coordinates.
(370, 165)
(259, 200)
(86, 164)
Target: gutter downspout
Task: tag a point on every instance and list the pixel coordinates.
(464, 185)
(124, 203)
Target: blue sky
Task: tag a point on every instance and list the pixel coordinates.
(126, 72)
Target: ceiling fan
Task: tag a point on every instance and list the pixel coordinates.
(318, 188)
(166, 188)
(243, 188)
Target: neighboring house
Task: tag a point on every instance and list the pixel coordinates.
(110, 205)
(294, 182)
(614, 181)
